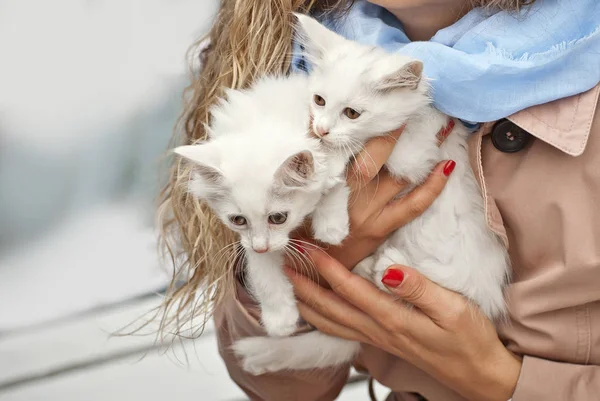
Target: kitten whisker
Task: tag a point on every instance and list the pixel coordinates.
(305, 263)
(364, 154)
(353, 166)
(297, 260)
(310, 244)
(224, 252)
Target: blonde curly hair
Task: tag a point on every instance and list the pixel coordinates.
(249, 38)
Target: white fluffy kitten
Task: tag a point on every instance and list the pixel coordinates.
(263, 174)
(360, 92)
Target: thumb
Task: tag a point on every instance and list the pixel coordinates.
(411, 286)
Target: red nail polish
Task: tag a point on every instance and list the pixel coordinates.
(449, 167)
(393, 277)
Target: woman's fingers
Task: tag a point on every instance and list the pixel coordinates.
(363, 295)
(379, 192)
(351, 287)
(328, 303)
(369, 161)
(328, 326)
(412, 205)
(440, 304)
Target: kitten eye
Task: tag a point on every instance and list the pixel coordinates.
(278, 218)
(238, 220)
(351, 113)
(319, 101)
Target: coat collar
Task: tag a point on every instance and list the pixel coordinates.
(564, 124)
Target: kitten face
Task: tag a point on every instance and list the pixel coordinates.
(260, 172)
(264, 223)
(358, 92)
(263, 196)
(342, 110)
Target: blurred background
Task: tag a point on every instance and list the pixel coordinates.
(89, 94)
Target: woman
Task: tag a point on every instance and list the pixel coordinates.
(533, 74)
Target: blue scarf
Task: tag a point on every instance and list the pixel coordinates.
(489, 65)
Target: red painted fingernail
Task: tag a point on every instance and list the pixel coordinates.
(449, 167)
(393, 277)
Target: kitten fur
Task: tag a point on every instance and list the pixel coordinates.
(450, 243)
(260, 162)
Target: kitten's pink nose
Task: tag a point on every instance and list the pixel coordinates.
(261, 250)
(322, 131)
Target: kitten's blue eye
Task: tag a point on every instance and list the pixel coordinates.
(278, 218)
(238, 220)
(351, 113)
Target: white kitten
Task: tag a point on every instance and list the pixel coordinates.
(262, 174)
(360, 92)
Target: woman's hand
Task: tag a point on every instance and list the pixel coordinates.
(374, 214)
(443, 335)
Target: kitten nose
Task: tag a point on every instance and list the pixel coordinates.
(322, 131)
(260, 250)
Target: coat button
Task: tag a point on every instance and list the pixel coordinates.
(508, 137)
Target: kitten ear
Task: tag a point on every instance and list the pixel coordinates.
(315, 37)
(296, 171)
(207, 179)
(407, 77)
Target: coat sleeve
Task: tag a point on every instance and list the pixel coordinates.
(546, 380)
(238, 317)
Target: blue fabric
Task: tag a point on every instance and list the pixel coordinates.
(490, 65)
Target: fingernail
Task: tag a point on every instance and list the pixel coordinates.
(449, 167)
(393, 277)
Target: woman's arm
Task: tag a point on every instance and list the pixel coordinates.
(546, 380)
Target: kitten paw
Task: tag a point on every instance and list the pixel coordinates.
(280, 322)
(331, 234)
(257, 355)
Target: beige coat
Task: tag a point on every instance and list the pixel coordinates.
(543, 200)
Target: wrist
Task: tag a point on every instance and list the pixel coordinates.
(498, 376)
